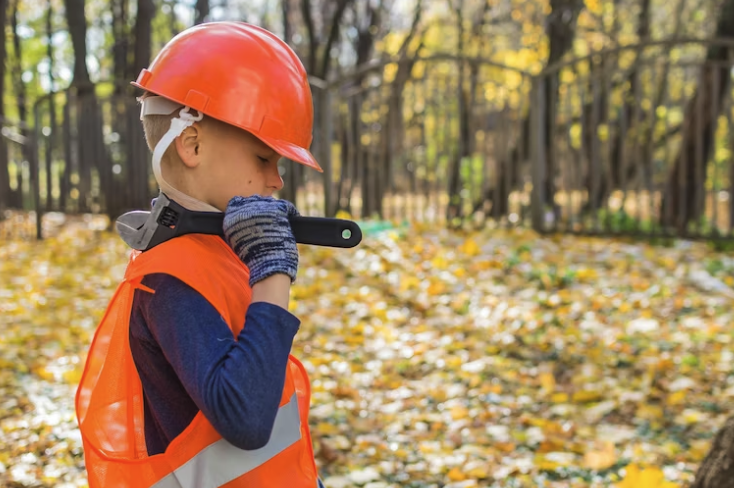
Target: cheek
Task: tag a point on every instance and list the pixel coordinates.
(234, 168)
(241, 180)
(246, 177)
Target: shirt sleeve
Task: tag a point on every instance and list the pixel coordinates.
(237, 383)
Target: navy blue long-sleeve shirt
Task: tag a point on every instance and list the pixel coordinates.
(188, 361)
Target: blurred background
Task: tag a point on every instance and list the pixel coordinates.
(544, 294)
(598, 116)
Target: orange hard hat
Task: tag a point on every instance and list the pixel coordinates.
(240, 74)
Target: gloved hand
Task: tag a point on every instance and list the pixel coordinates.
(258, 231)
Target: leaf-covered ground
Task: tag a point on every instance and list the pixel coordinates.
(494, 359)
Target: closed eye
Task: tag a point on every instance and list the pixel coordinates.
(262, 159)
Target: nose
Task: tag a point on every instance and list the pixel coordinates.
(274, 180)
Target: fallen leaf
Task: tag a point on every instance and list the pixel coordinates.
(603, 458)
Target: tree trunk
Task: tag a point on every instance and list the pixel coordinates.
(114, 192)
(286, 13)
(341, 6)
(5, 195)
(685, 193)
(289, 191)
(51, 138)
(143, 33)
(78, 31)
(376, 159)
(650, 143)
(622, 170)
(633, 103)
(172, 21)
(561, 31)
(466, 96)
(89, 137)
(136, 150)
(311, 32)
(294, 176)
(345, 174)
(20, 98)
(453, 211)
(376, 174)
(120, 46)
(717, 469)
(202, 11)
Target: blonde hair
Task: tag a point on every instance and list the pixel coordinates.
(155, 127)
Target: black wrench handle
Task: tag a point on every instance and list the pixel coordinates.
(322, 231)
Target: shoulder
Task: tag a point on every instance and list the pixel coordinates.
(185, 256)
(160, 299)
(164, 291)
(170, 299)
(206, 265)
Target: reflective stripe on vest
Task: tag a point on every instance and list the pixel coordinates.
(222, 462)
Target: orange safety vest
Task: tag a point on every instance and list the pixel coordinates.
(109, 401)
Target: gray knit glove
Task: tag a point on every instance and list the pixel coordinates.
(258, 231)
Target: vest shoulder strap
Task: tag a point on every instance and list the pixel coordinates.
(205, 263)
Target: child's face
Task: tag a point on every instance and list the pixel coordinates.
(223, 162)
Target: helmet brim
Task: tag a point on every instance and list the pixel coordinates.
(293, 152)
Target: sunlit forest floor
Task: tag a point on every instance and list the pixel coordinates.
(437, 359)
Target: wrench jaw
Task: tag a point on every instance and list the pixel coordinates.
(137, 228)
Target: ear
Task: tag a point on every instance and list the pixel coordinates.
(187, 146)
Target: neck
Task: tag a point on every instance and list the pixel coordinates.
(186, 201)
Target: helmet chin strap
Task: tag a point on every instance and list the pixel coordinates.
(178, 125)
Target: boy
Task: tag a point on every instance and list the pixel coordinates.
(176, 392)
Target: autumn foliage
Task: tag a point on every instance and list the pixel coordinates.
(497, 358)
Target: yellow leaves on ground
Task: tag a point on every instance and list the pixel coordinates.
(602, 458)
(470, 248)
(548, 361)
(586, 396)
(650, 412)
(651, 477)
(586, 274)
(459, 412)
(500, 358)
(559, 398)
(52, 295)
(547, 383)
